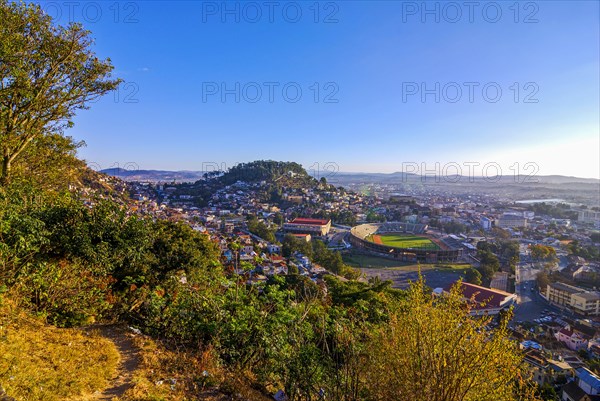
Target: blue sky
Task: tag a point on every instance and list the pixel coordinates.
(388, 76)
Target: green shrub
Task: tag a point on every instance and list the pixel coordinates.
(67, 293)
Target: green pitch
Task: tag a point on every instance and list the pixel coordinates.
(405, 241)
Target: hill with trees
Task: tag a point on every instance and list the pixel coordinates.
(264, 170)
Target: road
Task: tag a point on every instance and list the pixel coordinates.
(530, 305)
(337, 235)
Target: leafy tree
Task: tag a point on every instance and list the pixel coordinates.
(260, 228)
(264, 170)
(47, 73)
(50, 164)
(558, 211)
(487, 246)
(292, 244)
(178, 247)
(373, 217)
(332, 261)
(278, 219)
(489, 264)
(590, 252)
(500, 233)
(293, 269)
(509, 251)
(454, 227)
(473, 276)
(542, 280)
(67, 293)
(434, 350)
(547, 392)
(543, 253)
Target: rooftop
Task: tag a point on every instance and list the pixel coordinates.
(589, 296)
(558, 365)
(304, 220)
(589, 378)
(566, 287)
(483, 295)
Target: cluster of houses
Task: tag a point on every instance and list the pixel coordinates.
(242, 199)
(476, 214)
(258, 259)
(557, 351)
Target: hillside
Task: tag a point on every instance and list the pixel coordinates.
(45, 363)
(207, 334)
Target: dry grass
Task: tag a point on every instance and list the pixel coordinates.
(170, 375)
(41, 362)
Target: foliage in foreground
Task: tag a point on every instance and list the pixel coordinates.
(47, 73)
(434, 349)
(184, 374)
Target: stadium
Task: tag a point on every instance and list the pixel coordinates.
(404, 242)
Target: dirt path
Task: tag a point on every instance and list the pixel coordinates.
(130, 361)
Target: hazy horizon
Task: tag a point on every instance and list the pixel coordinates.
(132, 166)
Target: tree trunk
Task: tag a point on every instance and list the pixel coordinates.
(5, 171)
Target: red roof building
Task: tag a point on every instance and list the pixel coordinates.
(302, 225)
(304, 220)
(484, 301)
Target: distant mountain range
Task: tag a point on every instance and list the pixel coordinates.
(355, 178)
(154, 175)
(400, 177)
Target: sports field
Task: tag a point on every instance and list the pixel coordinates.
(403, 241)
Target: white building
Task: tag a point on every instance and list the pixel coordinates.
(511, 221)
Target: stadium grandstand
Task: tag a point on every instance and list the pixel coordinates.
(406, 242)
(399, 227)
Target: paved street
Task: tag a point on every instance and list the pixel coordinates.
(530, 304)
(337, 235)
